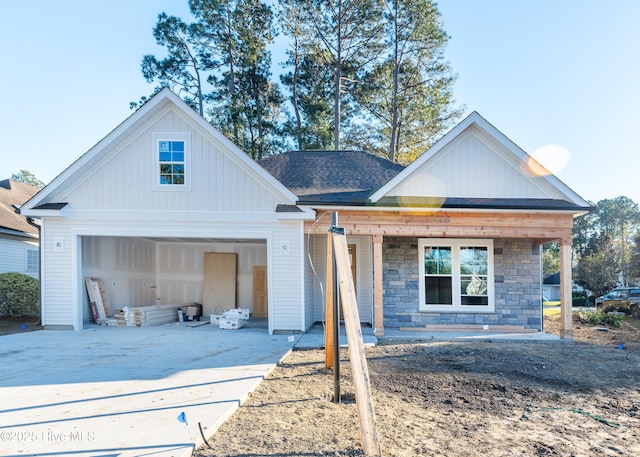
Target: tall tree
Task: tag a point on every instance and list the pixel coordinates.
(619, 219)
(349, 31)
(26, 177)
(409, 94)
(182, 69)
(597, 269)
(550, 258)
(634, 264)
(583, 228)
(246, 105)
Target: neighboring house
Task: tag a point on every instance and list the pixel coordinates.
(454, 238)
(18, 238)
(551, 287)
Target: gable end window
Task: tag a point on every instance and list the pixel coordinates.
(456, 275)
(171, 158)
(171, 161)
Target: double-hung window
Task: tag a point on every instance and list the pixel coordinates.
(171, 154)
(32, 260)
(456, 275)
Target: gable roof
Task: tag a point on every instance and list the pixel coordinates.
(15, 193)
(473, 143)
(345, 177)
(40, 205)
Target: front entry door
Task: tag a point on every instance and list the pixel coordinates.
(351, 248)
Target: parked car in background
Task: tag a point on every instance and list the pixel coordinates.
(625, 299)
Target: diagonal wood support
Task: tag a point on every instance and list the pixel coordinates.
(357, 356)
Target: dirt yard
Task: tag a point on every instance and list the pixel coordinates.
(17, 324)
(483, 398)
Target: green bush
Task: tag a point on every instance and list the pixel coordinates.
(19, 295)
(599, 318)
(579, 298)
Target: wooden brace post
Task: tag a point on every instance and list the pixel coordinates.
(357, 356)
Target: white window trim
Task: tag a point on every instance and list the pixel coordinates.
(455, 244)
(156, 138)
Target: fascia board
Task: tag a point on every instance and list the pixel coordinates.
(307, 214)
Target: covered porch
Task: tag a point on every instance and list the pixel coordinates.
(381, 224)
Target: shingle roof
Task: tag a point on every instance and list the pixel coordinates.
(15, 193)
(347, 177)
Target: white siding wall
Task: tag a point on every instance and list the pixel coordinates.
(13, 256)
(58, 281)
(65, 269)
(475, 165)
(364, 283)
(123, 179)
(286, 292)
(113, 194)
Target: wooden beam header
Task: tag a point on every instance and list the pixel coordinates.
(541, 227)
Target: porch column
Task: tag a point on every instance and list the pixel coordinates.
(566, 301)
(378, 315)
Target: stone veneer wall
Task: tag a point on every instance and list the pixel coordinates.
(518, 288)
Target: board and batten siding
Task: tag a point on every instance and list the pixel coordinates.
(475, 166)
(364, 271)
(123, 178)
(14, 256)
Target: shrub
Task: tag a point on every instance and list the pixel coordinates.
(19, 294)
(579, 298)
(599, 318)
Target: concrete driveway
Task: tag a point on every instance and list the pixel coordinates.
(119, 391)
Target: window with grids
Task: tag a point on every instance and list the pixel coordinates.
(456, 275)
(171, 157)
(32, 260)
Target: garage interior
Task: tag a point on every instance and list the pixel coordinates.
(140, 271)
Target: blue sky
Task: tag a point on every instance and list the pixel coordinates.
(552, 75)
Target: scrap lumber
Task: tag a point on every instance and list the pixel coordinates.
(357, 356)
(103, 296)
(146, 316)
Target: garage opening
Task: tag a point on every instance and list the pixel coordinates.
(141, 271)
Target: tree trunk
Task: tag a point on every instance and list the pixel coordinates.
(393, 146)
(336, 117)
(232, 78)
(294, 93)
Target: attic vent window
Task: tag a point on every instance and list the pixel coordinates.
(171, 156)
(172, 152)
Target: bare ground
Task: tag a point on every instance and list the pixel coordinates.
(478, 398)
(17, 324)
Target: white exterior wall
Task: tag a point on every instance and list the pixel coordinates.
(13, 257)
(123, 178)
(64, 303)
(364, 272)
(475, 166)
(112, 192)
